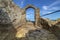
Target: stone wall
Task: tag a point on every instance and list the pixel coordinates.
(9, 12)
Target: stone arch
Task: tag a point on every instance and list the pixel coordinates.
(37, 13)
(31, 13)
(30, 6)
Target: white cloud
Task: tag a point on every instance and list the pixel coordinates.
(22, 2)
(54, 3)
(54, 8)
(46, 11)
(51, 6)
(45, 7)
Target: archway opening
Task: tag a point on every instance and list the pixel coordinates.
(30, 14)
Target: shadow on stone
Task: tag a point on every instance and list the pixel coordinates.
(39, 35)
(7, 30)
(55, 29)
(44, 23)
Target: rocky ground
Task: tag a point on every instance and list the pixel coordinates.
(40, 35)
(31, 33)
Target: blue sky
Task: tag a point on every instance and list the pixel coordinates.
(30, 14)
(45, 6)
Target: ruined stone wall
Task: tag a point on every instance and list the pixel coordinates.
(9, 12)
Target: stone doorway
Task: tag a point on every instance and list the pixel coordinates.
(30, 15)
(36, 13)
